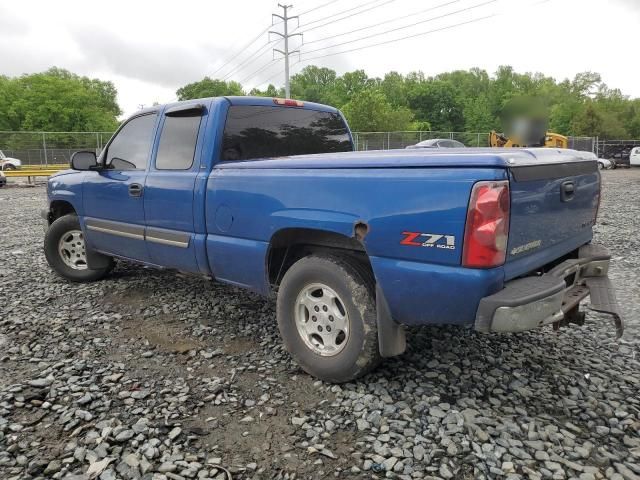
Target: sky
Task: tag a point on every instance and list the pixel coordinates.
(149, 49)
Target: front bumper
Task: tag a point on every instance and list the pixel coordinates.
(532, 302)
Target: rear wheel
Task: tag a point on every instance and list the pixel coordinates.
(66, 252)
(327, 317)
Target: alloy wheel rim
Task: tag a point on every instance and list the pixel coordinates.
(72, 251)
(322, 320)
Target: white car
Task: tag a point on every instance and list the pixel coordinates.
(605, 164)
(634, 157)
(8, 163)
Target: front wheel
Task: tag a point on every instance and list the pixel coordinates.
(327, 317)
(66, 253)
(8, 166)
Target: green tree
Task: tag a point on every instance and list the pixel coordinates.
(57, 100)
(314, 84)
(208, 87)
(370, 111)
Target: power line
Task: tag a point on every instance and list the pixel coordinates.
(366, 37)
(386, 42)
(255, 54)
(340, 13)
(261, 69)
(318, 7)
(348, 16)
(233, 57)
(448, 27)
(384, 22)
(266, 82)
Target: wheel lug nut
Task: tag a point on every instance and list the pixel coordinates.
(328, 328)
(316, 308)
(324, 307)
(331, 318)
(319, 328)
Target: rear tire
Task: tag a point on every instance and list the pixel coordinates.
(327, 317)
(65, 251)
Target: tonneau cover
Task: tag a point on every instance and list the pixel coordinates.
(451, 157)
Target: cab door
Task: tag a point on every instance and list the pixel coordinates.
(113, 198)
(170, 189)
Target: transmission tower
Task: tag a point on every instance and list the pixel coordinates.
(285, 36)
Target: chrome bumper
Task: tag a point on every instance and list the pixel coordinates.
(532, 302)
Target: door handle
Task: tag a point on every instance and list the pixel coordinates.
(135, 190)
(567, 191)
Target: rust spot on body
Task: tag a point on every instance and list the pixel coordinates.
(360, 230)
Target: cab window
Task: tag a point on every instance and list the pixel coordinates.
(178, 143)
(268, 131)
(129, 149)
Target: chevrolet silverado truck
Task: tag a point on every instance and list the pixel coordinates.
(268, 195)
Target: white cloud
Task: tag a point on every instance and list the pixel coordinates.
(151, 48)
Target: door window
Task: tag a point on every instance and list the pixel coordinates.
(178, 143)
(129, 149)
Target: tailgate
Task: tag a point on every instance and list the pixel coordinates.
(554, 204)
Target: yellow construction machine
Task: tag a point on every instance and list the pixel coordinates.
(552, 140)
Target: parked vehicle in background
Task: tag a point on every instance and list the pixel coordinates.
(604, 164)
(355, 245)
(438, 143)
(634, 157)
(3, 179)
(8, 163)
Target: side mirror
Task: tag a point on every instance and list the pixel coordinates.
(84, 160)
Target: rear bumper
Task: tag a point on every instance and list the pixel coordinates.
(532, 302)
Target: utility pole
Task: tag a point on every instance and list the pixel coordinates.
(285, 36)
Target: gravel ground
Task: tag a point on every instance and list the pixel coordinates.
(156, 376)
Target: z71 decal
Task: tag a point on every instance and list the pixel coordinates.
(434, 240)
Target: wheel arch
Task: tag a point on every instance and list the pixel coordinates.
(288, 245)
(59, 208)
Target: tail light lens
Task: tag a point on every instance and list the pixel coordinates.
(487, 228)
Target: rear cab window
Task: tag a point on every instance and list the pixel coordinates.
(253, 132)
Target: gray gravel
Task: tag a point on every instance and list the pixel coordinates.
(160, 376)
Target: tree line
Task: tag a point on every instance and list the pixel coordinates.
(471, 100)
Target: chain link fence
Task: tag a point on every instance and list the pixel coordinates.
(391, 140)
(45, 148)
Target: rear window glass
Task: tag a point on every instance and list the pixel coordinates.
(264, 131)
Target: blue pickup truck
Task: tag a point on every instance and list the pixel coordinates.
(268, 194)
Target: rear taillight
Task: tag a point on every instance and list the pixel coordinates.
(487, 228)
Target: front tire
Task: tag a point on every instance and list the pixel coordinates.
(8, 166)
(327, 317)
(65, 250)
